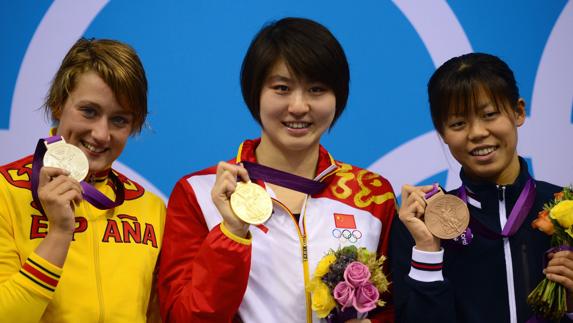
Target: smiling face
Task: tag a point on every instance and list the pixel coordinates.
(294, 113)
(484, 140)
(93, 120)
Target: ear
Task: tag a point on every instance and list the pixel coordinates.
(56, 114)
(520, 113)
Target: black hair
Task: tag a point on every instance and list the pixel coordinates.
(310, 52)
(454, 88)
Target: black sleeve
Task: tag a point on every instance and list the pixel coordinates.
(416, 301)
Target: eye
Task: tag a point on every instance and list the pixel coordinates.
(317, 90)
(456, 124)
(88, 112)
(120, 121)
(489, 115)
(280, 88)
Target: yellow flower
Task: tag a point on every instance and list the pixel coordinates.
(324, 265)
(563, 213)
(322, 301)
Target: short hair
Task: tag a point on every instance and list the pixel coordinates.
(310, 52)
(116, 63)
(454, 88)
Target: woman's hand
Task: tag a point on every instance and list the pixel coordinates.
(560, 270)
(225, 184)
(411, 213)
(57, 193)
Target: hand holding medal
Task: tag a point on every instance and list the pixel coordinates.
(411, 214)
(430, 215)
(239, 201)
(57, 184)
(55, 153)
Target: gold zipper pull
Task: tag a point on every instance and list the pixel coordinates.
(304, 249)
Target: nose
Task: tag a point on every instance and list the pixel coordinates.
(298, 104)
(101, 132)
(477, 130)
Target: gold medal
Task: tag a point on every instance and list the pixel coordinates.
(251, 203)
(446, 216)
(68, 157)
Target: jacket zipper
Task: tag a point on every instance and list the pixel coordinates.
(96, 266)
(304, 250)
(508, 258)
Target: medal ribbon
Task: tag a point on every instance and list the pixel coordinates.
(516, 217)
(90, 193)
(284, 179)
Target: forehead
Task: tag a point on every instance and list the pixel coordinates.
(91, 82)
(472, 100)
(279, 68)
(91, 88)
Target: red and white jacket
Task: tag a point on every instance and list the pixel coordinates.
(207, 274)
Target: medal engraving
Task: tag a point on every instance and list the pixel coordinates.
(67, 157)
(446, 216)
(251, 203)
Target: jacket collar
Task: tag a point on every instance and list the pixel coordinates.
(489, 192)
(325, 166)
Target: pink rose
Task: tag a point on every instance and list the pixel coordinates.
(344, 294)
(366, 297)
(356, 274)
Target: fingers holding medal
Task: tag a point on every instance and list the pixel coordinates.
(57, 192)
(430, 215)
(239, 201)
(413, 202)
(411, 214)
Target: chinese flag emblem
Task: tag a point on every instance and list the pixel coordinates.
(344, 221)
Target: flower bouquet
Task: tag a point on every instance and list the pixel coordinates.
(548, 299)
(347, 284)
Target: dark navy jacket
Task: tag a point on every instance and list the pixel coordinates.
(475, 286)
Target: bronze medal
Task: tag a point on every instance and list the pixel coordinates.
(68, 157)
(446, 216)
(251, 203)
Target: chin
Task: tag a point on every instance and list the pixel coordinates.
(490, 175)
(300, 144)
(94, 169)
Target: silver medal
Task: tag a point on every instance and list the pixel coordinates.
(68, 157)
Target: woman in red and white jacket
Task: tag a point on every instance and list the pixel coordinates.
(216, 268)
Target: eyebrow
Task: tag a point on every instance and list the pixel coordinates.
(278, 78)
(88, 102)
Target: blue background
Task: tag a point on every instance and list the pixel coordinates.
(192, 52)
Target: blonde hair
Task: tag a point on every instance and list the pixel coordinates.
(116, 63)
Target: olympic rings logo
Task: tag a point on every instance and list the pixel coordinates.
(347, 235)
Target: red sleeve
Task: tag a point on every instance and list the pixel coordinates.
(202, 274)
(387, 213)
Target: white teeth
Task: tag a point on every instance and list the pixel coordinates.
(297, 125)
(482, 151)
(92, 148)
